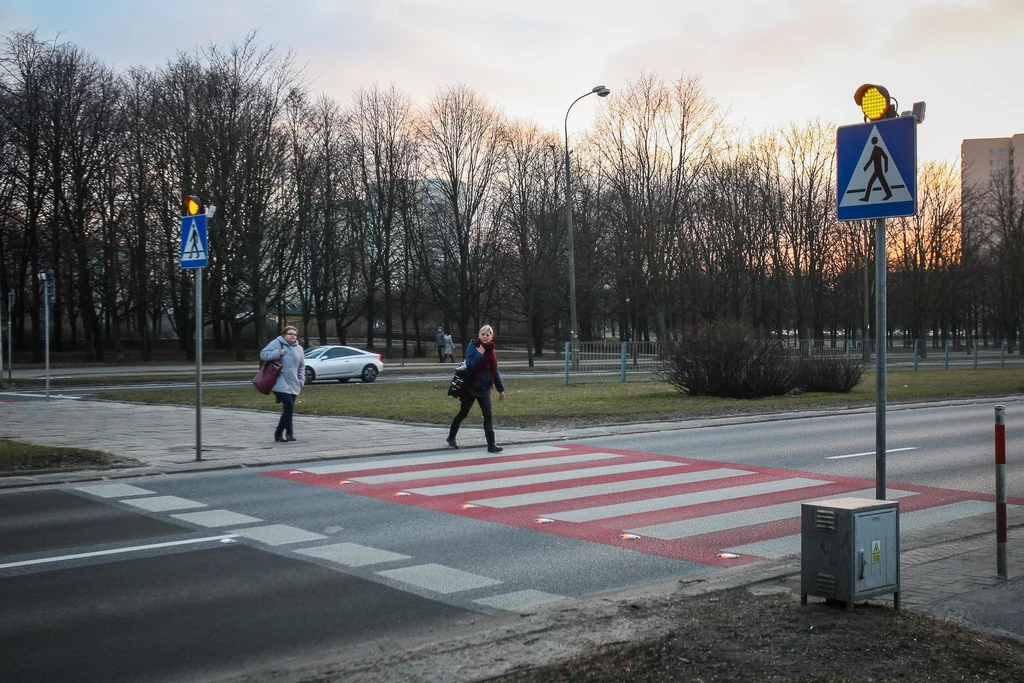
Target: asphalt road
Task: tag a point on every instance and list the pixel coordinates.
(195, 576)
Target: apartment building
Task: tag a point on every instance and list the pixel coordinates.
(989, 168)
(987, 160)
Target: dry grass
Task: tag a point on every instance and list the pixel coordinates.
(540, 402)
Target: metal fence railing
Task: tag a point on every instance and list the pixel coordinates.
(631, 361)
(911, 353)
(612, 361)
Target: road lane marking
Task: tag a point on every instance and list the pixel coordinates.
(352, 554)
(163, 503)
(481, 469)
(857, 455)
(438, 578)
(214, 518)
(612, 487)
(278, 534)
(544, 478)
(114, 490)
(101, 553)
(520, 601)
(683, 500)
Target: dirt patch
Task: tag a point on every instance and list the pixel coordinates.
(762, 633)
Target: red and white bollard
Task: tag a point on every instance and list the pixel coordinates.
(1001, 492)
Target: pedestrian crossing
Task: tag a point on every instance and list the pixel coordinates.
(682, 508)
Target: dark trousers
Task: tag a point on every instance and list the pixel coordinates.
(467, 401)
(440, 353)
(284, 425)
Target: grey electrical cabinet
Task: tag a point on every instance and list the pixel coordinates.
(850, 550)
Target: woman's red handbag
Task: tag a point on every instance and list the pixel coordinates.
(267, 376)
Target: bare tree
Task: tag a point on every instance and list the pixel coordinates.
(463, 141)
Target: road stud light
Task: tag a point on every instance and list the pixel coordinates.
(875, 102)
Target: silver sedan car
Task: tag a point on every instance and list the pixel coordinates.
(341, 363)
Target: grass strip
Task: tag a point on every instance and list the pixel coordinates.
(16, 456)
(548, 402)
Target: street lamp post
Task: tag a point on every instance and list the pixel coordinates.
(573, 331)
(47, 279)
(10, 338)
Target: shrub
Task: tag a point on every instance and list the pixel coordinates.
(828, 373)
(729, 359)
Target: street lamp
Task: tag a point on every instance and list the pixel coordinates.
(601, 91)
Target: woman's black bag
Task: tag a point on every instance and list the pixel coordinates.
(458, 385)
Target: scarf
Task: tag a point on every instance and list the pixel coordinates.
(490, 358)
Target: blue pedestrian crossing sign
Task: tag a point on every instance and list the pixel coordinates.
(876, 169)
(194, 253)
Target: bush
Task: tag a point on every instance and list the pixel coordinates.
(828, 373)
(729, 359)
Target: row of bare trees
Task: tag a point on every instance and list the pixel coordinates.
(384, 212)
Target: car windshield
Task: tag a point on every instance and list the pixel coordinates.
(314, 352)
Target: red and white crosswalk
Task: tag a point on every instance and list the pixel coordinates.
(688, 509)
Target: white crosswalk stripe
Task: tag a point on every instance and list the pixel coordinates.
(545, 478)
(484, 469)
(611, 487)
(682, 500)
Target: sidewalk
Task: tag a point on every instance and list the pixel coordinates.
(948, 571)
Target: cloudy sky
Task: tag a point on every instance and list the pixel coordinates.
(768, 61)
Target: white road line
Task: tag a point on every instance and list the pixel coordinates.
(547, 477)
(163, 503)
(671, 531)
(434, 459)
(909, 522)
(683, 500)
(438, 578)
(480, 469)
(101, 553)
(610, 487)
(857, 455)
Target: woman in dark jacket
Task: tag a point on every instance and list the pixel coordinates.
(286, 351)
(482, 363)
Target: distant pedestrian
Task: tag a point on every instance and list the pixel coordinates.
(482, 363)
(449, 347)
(439, 343)
(286, 351)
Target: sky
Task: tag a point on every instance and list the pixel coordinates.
(769, 62)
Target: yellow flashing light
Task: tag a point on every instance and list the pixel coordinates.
(193, 207)
(874, 102)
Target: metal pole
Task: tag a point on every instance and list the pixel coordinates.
(2, 344)
(10, 334)
(567, 352)
(866, 351)
(568, 228)
(46, 324)
(1001, 492)
(880, 353)
(199, 363)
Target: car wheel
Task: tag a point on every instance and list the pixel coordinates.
(369, 373)
(344, 379)
(310, 375)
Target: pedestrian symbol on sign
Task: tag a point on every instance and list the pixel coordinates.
(875, 179)
(194, 250)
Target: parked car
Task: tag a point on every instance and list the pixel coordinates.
(341, 363)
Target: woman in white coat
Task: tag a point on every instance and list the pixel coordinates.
(286, 351)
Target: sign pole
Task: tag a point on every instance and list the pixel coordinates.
(199, 363)
(880, 331)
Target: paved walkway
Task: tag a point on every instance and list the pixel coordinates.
(949, 572)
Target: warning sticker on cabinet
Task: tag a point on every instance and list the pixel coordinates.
(876, 551)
